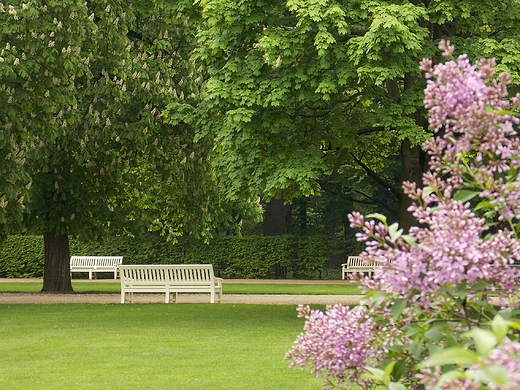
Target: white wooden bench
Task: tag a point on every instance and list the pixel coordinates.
(170, 280)
(94, 264)
(355, 264)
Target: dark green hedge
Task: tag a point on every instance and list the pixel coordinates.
(21, 257)
(232, 257)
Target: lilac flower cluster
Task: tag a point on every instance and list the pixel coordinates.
(476, 145)
(337, 344)
(506, 355)
(448, 255)
(430, 379)
(450, 250)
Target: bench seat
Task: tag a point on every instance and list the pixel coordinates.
(170, 280)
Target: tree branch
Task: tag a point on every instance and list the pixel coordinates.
(339, 160)
(379, 179)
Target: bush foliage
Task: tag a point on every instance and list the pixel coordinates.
(427, 321)
(232, 257)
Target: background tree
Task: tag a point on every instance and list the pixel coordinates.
(299, 88)
(87, 83)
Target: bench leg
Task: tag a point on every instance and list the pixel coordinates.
(90, 274)
(123, 296)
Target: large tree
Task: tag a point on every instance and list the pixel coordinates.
(84, 87)
(297, 89)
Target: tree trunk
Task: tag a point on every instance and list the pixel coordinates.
(302, 216)
(275, 217)
(412, 171)
(56, 271)
(411, 162)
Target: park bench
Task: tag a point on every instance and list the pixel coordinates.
(94, 264)
(355, 264)
(170, 280)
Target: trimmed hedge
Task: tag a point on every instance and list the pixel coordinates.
(232, 257)
(21, 257)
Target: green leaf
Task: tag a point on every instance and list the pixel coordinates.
(456, 355)
(491, 374)
(399, 370)
(484, 340)
(465, 195)
(398, 307)
(427, 191)
(435, 333)
(375, 373)
(381, 217)
(500, 327)
(381, 375)
(396, 386)
(484, 205)
(394, 231)
(410, 240)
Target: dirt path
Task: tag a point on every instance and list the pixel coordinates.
(264, 299)
(267, 299)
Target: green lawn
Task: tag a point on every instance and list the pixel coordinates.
(228, 288)
(152, 346)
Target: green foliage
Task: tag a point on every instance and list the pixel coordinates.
(232, 257)
(295, 88)
(21, 257)
(473, 360)
(84, 85)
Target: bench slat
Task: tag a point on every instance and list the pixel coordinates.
(170, 279)
(94, 264)
(356, 264)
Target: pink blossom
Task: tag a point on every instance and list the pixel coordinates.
(337, 344)
(475, 148)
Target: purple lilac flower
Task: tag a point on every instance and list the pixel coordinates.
(506, 355)
(337, 344)
(464, 105)
(475, 147)
(476, 144)
(449, 250)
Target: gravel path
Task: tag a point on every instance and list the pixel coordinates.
(264, 299)
(267, 299)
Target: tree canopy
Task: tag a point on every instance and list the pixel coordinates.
(127, 116)
(84, 87)
(300, 89)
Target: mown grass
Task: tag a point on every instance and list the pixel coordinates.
(151, 346)
(228, 288)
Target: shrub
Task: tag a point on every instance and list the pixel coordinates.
(429, 307)
(232, 257)
(21, 257)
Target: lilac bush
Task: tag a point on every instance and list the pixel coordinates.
(336, 343)
(434, 282)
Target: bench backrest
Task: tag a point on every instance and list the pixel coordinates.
(96, 261)
(355, 261)
(189, 274)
